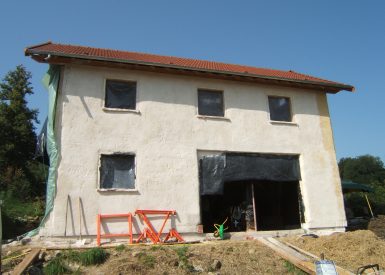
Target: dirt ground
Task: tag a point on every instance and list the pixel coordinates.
(349, 250)
(377, 226)
(234, 257)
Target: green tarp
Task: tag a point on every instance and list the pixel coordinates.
(51, 83)
(349, 186)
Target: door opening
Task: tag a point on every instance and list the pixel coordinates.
(276, 206)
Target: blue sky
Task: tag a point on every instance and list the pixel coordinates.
(338, 40)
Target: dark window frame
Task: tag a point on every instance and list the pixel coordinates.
(102, 186)
(290, 111)
(212, 91)
(106, 101)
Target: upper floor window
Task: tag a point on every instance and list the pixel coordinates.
(280, 109)
(210, 103)
(117, 171)
(120, 94)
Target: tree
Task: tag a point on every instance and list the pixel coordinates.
(365, 169)
(17, 136)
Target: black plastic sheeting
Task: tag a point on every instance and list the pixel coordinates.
(279, 108)
(120, 94)
(210, 103)
(41, 145)
(117, 171)
(215, 170)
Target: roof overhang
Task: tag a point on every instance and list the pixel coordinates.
(51, 57)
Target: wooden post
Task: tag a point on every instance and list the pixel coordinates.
(370, 207)
(254, 209)
(80, 218)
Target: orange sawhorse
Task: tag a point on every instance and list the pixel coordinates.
(98, 222)
(150, 231)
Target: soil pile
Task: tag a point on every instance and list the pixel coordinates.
(377, 226)
(223, 257)
(349, 250)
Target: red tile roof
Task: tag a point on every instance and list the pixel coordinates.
(176, 62)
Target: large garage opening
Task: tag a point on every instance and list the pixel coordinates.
(252, 191)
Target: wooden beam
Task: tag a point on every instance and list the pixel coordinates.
(254, 208)
(306, 266)
(19, 269)
(297, 256)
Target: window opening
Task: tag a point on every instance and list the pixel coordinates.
(120, 94)
(210, 103)
(117, 171)
(280, 108)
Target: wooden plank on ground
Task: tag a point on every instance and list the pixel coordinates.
(306, 266)
(340, 270)
(296, 256)
(26, 261)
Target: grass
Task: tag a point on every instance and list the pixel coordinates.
(120, 248)
(18, 216)
(14, 207)
(291, 268)
(56, 266)
(93, 256)
(157, 247)
(147, 260)
(183, 258)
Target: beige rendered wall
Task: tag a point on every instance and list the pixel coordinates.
(167, 136)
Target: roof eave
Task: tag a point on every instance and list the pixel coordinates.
(44, 57)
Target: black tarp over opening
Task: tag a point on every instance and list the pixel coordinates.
(232, 167)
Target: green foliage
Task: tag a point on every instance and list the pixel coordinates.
(72, 256)
(93, 256)
(20, 216)
(368, 170)
(292, 269)
(364, 169)
(59, 264)
(17, 134)
(21, 178)
(19, 174)
(56, 266)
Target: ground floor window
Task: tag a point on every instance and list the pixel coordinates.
(117, 171)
